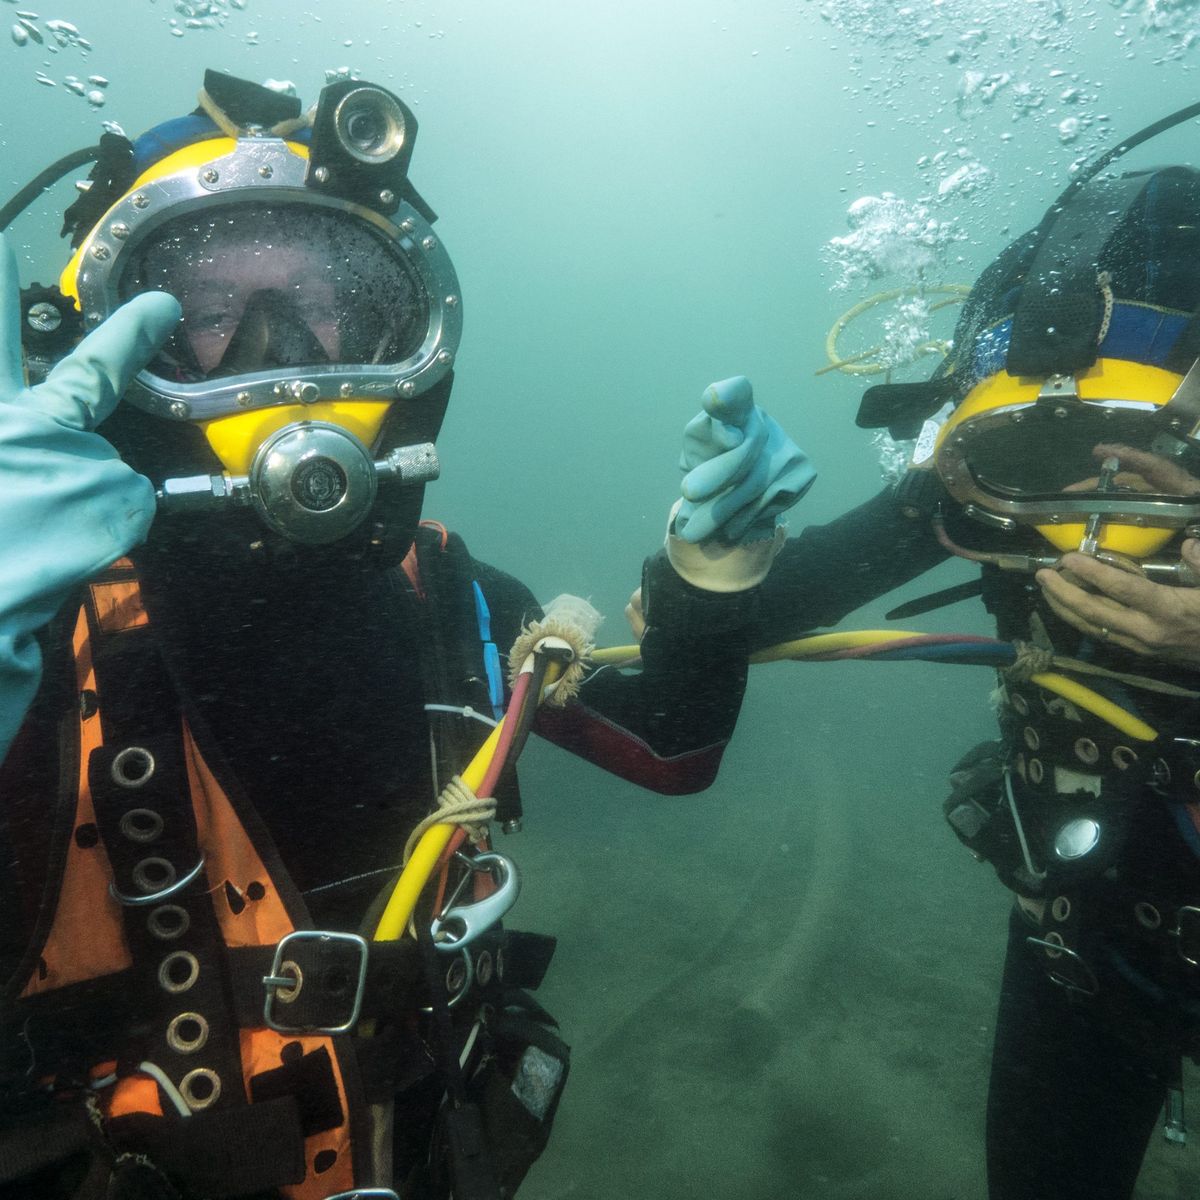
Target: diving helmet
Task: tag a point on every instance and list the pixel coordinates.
(1070, 402)
(321, 314)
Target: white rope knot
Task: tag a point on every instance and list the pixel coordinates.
(457, 805)
(1031, 660)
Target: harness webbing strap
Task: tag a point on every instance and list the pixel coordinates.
(85, 939)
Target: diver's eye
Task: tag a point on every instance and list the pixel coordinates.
(315, 311)
(210, 320)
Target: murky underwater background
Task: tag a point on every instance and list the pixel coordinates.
(783, 987)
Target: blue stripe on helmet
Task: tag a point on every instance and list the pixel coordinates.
(1136, 333)
(155, 144)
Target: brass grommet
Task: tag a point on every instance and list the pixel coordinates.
(141, 825)
(456, 977)
(133, 767)
(1019, 703)
(1087, 751)
(1196, 779)
(1123, 757)
(153, 874)
(285, 995)
(187, 1033)
(1060, 908)
(1031, 737)
(1054, 939)
(200, 1088)
(1036, 771)
(178, 971)
(483, 968)
(168, 921)
(1148, 917)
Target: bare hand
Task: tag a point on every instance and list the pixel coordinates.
(1151, 619)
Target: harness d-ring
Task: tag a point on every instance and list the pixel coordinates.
(161, 894)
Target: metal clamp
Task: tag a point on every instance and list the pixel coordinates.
(367, 1193)
(1085, 981)
(277, 981)
(460, 924)
(1187, 934)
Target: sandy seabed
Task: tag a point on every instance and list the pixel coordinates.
(783, 987)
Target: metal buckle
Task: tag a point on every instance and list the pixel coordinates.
(1187, 931)
(1085, 982)
(460, 924)
(278, 982)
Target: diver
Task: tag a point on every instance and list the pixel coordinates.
(238, 671)
(1058, 446)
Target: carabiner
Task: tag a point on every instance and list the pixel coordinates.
(461, 924)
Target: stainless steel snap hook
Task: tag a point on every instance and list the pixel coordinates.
(460, 924)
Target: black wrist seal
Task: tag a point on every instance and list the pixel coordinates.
(671, 604)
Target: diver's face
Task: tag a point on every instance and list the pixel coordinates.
(230, 277)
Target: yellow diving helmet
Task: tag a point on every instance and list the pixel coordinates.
(316, 298)
(1069, 403)
(1103, 459)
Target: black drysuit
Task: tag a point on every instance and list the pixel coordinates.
(1077, 1080)
(308, 677)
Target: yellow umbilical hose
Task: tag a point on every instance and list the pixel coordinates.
(432, 844)
(1083, 697)
(434, 841)
(829, 643)
(861, 363)
(436, 838)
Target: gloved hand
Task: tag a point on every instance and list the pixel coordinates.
(68, 505)
(743, 471)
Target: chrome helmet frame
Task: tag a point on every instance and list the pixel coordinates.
(263, 170)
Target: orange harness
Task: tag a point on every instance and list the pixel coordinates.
(132, 903)
(175, 980)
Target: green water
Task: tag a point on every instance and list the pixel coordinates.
(783, 987)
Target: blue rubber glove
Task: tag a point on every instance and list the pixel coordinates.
(742, 469)
(68, 505)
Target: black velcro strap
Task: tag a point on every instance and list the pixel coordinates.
(221, 1152)
(904, 407)
(30, 1146)
(67, 1030)
(309, 1079)
(670, 602)
(1056, 324)
(392, 1062)
(246, 103)
(526, 958)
